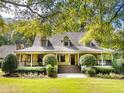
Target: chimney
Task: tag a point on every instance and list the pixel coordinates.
(19, 46)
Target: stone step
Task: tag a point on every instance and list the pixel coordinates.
(69, 69)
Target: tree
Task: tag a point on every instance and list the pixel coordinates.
(32, 27)
(31, 8)
(4, 27)
(10, 64)
(55, 16)
(95, 18)
(3, 40)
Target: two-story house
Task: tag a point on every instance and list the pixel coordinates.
(65, 46)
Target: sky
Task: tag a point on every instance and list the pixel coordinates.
(6, 15)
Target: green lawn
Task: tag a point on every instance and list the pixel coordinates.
(85, 85)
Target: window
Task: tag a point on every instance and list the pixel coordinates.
(66, 41)
(92, 44)
(28, 58)
(62, 57)
(44, 41)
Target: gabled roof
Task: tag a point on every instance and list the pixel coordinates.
(7, 49)
(55, 40)
(57, 45)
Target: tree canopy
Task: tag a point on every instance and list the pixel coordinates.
(97, 18)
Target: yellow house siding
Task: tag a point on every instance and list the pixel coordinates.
(24, 57)
(67, 59)
(76, 59)
(35, 59)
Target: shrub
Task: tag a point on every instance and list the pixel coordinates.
(120, 62)
(91, 72)
(120, 65)
(10, 64)
(84, 69)
(30, 70)
(51, 71)
(88, 60)
(100, 69)
(50, 59)
(104, 69)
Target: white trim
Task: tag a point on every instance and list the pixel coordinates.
(111, 57)
(20, 60)
(78, 59)
(31, 60)
(102, 59)
(69, 59)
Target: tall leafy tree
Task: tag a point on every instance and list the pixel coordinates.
(98, 18)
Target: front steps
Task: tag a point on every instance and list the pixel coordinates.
(69, 69)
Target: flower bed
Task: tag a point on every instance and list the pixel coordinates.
(30, 72)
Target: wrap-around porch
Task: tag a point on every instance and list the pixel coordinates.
(36, 59)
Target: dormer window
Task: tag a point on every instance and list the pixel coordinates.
(44, 41)
(94, 43)
(66, 41)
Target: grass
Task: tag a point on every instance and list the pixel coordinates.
(63, 85)
(60, 85)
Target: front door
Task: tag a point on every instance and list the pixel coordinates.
(72, 59)
(40, 59)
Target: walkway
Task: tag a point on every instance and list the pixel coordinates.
(71, 75)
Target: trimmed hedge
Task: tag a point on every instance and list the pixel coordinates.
(50, 59)
(88, 60)
(99, 69)
(30, 70)
(104, 69)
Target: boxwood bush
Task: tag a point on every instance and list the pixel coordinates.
(100, 69)
(50, 59)
(104, 69)
(30, 70)
(51, 71)
(120, 65)
(10, 64)
(91, 72)
(88, 60)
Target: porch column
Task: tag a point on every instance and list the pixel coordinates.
(69, 59)
(20, 60)
(31, 61)
(56, 55)
(78, 59)
(111, 56)
(102, 59)
(59, 58)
